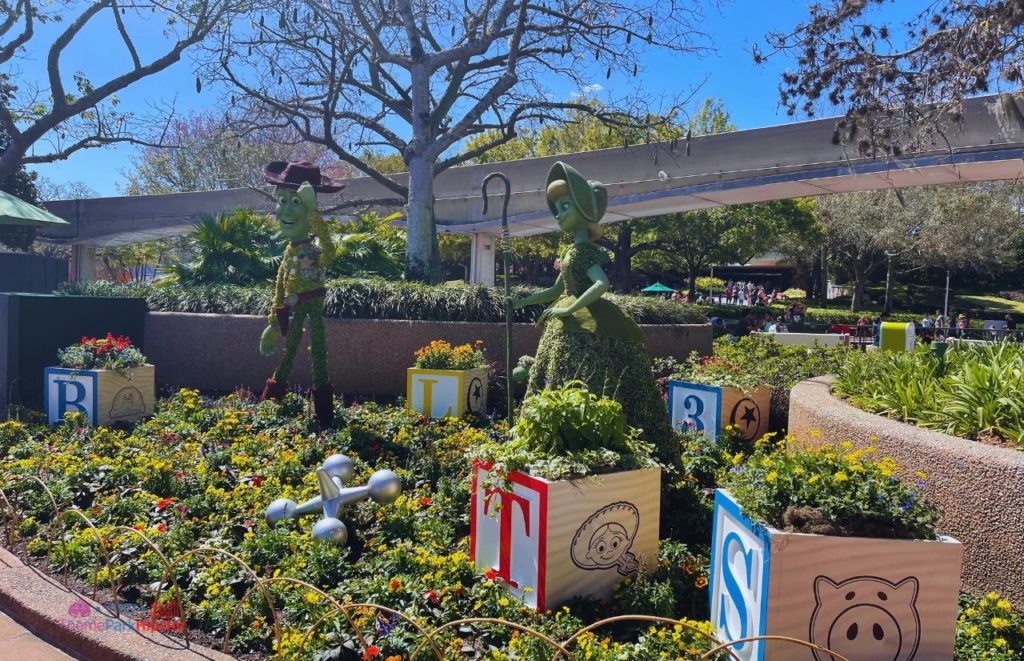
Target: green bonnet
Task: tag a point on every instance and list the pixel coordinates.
(591, 197)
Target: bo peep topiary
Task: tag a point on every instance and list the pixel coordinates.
(587, 337)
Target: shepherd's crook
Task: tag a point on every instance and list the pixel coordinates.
(506, 248)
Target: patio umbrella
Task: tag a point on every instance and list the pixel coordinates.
(658, 288)
(15, 211)
(19, 221)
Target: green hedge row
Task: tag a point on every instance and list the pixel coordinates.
(371, 298)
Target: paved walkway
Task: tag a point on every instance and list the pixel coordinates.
(19, 643)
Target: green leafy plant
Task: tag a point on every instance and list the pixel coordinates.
(989, 628)
(838, 491)
(240, 247)
(975, 391)
(117, 354)
(566, 433)
(750, 362)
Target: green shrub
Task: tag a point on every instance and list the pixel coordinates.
(751, 361)
(977, 391)
(831, 491)
(566, 433)
(373, 298)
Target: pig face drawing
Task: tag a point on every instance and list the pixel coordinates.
(866, 618)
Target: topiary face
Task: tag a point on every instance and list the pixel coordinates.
(568, 214)
(293, 212)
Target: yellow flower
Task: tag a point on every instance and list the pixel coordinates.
(999, 623)
(503, 601)
(846, 445)
(1003, 604)
(771, 477)
(798, 471)
(971, 612)
(972, 631)
(815, 433)
(922, 475)
(311, 598)
(992, 596)
(1000, 642)
(841, 477)
(812, 479)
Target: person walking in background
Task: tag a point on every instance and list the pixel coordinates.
(962, 324)
(879, 320)
(927, 321)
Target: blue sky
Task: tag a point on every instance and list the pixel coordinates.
(749, 91)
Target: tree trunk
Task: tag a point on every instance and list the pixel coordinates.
(10, 158)
(823, 278)
(860, 280)
(888, 284)
(422, 255)
(692, 291)
(622, 271)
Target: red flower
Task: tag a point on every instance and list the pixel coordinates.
(431, 596)
(425, 501)
(179, 475)
(161, 527)
(490, 574)
(139, 526)
(371, 652)
(258, 480)
(164, 502)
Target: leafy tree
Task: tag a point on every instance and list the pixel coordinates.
(136, 262)
(51, 120)
(903, 79)
(239, 248)
(69, 190)
(419, 77)
(962, 228)
(693, 241)
(855, 224)
(199, 153)
(582, 131)
(18, 182)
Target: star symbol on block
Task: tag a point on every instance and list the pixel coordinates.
(749, 415)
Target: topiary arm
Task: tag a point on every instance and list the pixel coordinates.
(546, 296)
(278, 289)
(595, 291)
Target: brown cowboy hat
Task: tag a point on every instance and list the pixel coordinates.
(293, 175)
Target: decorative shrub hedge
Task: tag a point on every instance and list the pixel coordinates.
(373, 298)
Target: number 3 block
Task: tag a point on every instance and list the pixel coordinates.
(694, 406)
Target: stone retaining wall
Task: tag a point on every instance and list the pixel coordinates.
(980, 487)
(367, 356)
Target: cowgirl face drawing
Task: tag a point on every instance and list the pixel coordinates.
(608, 544)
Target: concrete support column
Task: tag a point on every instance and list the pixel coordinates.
(481, 258)
(83, 263)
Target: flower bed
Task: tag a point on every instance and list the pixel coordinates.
(200, 473)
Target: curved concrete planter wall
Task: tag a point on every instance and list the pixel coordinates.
(979, 487)
(367, 356)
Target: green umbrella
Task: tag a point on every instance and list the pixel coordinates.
(658, 288)
(15, 211)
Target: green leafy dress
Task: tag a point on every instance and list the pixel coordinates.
(603, 347)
